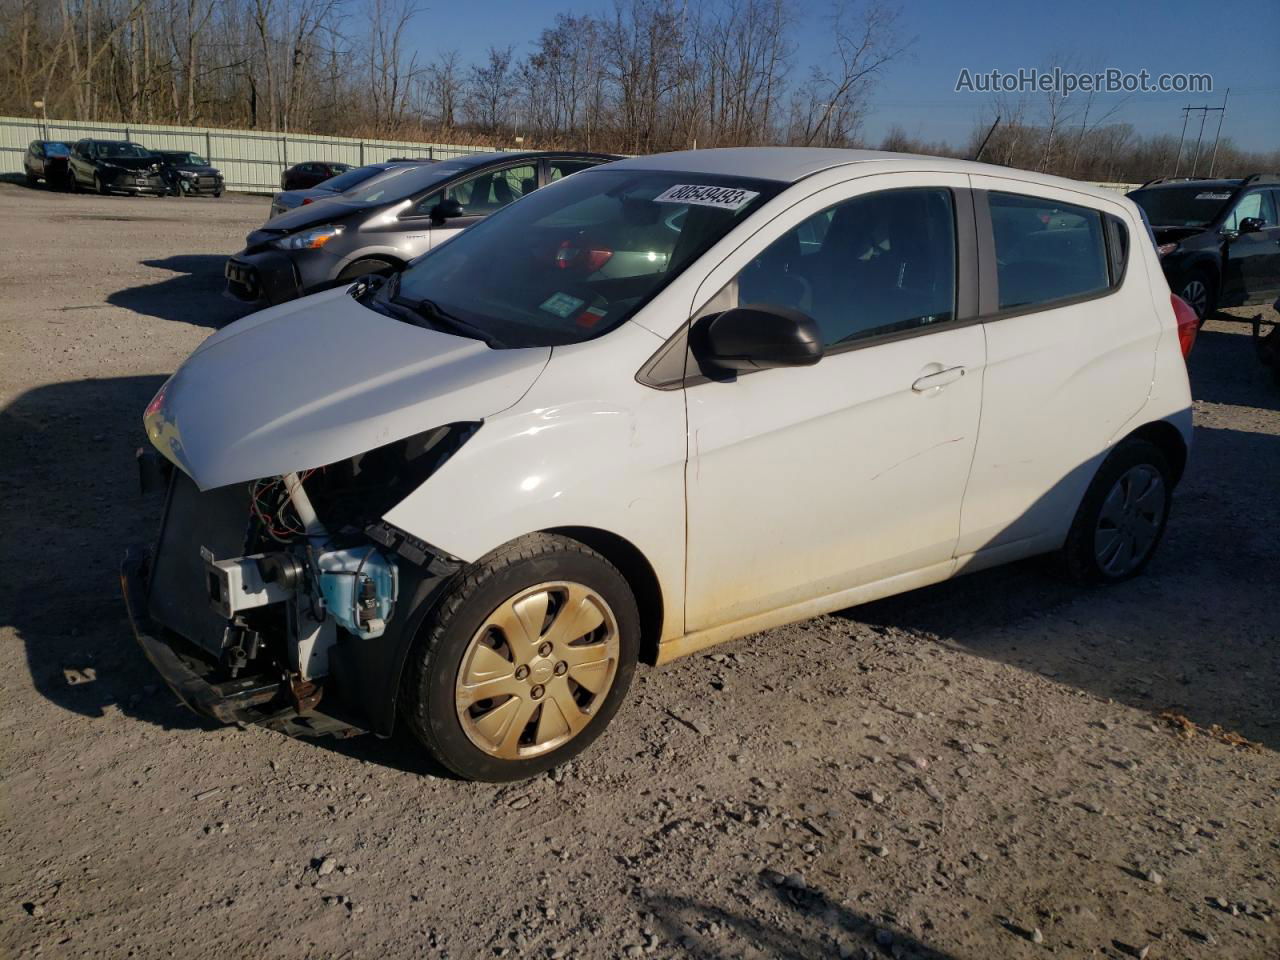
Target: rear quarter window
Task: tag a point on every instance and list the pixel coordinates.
(1047, 252)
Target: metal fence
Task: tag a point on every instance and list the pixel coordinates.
(250, 160)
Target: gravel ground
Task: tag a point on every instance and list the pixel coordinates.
(974, 770)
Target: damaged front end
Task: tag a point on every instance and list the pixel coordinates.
(287, 601)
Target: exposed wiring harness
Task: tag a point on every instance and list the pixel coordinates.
(270, 505)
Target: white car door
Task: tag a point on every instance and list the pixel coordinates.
(806, 482)
(1071, 351)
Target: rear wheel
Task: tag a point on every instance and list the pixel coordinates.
(1200, 292)
(524, 661)
(1122, 517)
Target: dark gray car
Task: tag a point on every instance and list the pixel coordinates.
(382, 224)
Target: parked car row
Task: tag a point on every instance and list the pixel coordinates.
(120, 166)
(562, 411)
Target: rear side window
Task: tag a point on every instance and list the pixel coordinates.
(559, 169)
(1046, 251)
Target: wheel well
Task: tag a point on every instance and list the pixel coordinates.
(392, 262)
(637, 571)
(1166, 436)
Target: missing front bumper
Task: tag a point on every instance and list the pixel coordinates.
(243, 700)
(262, 701)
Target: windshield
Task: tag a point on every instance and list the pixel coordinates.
(1183, 206)
(110, 149)
(56, 149)
(577, 258)
(194, 159)
(399, 183)
(353, 178)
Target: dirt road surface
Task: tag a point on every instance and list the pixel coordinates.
(975, 770)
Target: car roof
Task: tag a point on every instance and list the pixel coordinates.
(792, 164)
(1195, 184)
(506, 156)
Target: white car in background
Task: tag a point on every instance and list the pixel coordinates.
(472, 496)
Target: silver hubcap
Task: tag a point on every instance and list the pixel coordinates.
(537, 670)
(1196, 294)
(1130, 520)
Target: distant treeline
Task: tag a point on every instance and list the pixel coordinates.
(648, 75)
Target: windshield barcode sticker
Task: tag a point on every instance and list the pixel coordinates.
(725, 198)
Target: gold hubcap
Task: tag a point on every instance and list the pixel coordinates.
(537, 670)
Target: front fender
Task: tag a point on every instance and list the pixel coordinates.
(588, 446)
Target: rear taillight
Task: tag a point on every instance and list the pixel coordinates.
(306, 200)
(1188, 323)
(567, 255)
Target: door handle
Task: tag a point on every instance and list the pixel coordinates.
(935, 381)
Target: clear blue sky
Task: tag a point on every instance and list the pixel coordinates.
(1237, 42)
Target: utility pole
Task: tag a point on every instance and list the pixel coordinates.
(1177, 164)
(1204, 115)
(1218, 136)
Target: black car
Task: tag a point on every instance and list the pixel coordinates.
(289, 199)
(116, 166)
(382, 224)
(1218, 240)
(47, 160)
(302, 176)
(191, 174)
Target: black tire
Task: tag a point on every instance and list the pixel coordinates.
(73, 184)
(1078, 558)
(217, 194)
(32, 179)
(428, 689)
(361, 268)
(98, 186)
(1205, 306)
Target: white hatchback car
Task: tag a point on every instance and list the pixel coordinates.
(658, 405)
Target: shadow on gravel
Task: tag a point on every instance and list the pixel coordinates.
(193, 296)
(811, 924)
(68, 506)
(1225, 369)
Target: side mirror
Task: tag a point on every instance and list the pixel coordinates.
(1251, 225)
(759, 337)
(446, 210)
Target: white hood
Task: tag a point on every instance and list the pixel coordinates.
(319, 380)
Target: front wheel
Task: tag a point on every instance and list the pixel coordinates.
(362, 268)
(1122, 517)
(32, 179)
(98, 185)
(524, 661)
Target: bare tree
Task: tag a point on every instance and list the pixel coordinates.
(445, 88)
(489, 90)
(829, 108)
